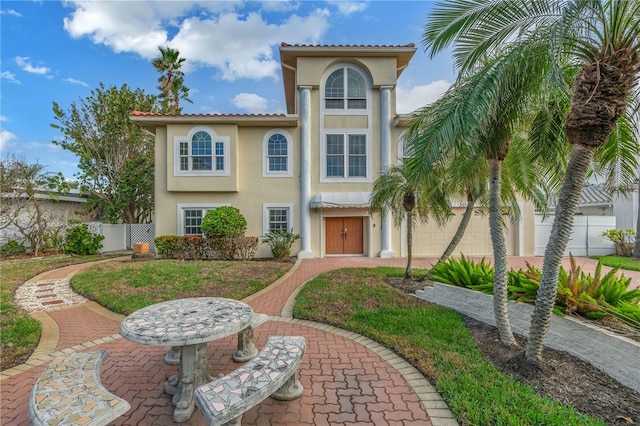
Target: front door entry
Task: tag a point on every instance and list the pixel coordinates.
(344, 235)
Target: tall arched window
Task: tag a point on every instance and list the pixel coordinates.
(345, 88)
(276, 150)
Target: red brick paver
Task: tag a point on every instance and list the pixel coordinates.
(346, 382)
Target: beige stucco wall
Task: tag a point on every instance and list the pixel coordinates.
(247, 189)
(312, 71)
(253, 190)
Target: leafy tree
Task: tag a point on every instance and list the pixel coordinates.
(28, 193)
(171, 79)
(116, 155)
(603, 37)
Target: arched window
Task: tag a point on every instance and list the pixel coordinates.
(201, 152)
(276, 153)
(345, 88)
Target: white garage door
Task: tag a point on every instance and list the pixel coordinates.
(431, 240)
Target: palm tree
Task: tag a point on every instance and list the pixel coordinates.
(394, 192)
(603, 37)
(171, 79)
(473, 122)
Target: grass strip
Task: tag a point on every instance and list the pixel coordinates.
(628, 263)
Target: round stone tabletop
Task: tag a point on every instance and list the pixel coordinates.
(186, 321)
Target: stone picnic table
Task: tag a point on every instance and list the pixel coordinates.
(189, 324)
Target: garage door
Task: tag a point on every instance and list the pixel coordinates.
(431, 240)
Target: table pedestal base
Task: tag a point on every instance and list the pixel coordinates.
(194, 372)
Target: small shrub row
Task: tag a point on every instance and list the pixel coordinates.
(579, 293)
(199, 248)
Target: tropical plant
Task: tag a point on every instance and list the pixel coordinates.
(463, 273)
(81, 241)
(395, 193)
(624, 239)
(603, 37)
(172, 89)
(280, 242)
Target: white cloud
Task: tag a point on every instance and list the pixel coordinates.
(23, 62)
(5, 139)
(10, 12)
(349, 7)
(8, 75)
(279, 5)
(250, 102)
(240, 45)
(3, 118)
(410, 99)
(74, 81)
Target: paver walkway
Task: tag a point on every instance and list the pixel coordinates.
(348, 379)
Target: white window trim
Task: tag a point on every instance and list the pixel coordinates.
(265, 215)
(401, 141)
(265, 158)
(323, 155)
(181, 207)
(214, 138)
(346, 111)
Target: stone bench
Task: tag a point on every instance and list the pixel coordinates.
(69, 392)
(271, 373)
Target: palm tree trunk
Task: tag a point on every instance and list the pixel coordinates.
(636, 249)
(462, 227)
(500, 307)
(408, 273)
(568, 201)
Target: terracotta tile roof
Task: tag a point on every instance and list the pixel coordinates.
(324, 46)
(156, 114)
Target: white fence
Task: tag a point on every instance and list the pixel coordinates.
(586, 239)
(123, 236)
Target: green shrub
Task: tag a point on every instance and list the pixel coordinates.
(280, 242)
(81, 241)
(463, 273)
(13, 248)
(166, 245)
(223, 222)
(624, 239)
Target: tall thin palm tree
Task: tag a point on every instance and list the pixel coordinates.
(603, 38)
(172, 89)
(480, 115)
(394, 192)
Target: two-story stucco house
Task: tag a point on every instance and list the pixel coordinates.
(310, 170)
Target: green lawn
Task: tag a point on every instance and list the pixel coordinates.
(19, 333)
(627, 263)
(433, 339)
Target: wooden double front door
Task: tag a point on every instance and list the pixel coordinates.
(344, 235)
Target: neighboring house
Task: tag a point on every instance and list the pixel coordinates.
(57, 210)
(595, 200)
(310, 170)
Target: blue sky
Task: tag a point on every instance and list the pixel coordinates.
(60, 51)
